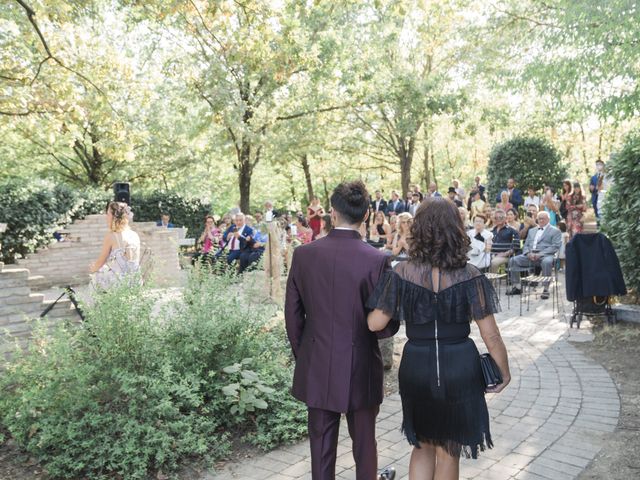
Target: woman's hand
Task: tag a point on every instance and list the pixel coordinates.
(498, 388)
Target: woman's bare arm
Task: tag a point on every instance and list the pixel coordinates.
(104, 254)
(491, 337)
(377, 320)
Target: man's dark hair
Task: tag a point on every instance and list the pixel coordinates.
(351, 200)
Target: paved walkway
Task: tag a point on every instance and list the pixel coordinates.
(548, 424)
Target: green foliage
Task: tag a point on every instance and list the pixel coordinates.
(185, 211)
(34, 210)
(621, 207)
(133, 391)
(530, 161)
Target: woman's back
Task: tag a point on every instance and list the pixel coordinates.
(441, 308)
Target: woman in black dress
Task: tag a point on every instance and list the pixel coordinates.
(437, 294)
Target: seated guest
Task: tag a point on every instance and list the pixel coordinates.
(303, 232)
(381, 229)
(479, 253)
(453, 196)
(400, 242)
(513, 221)
(504, 203)
(502, 246)
(464, 216)
(530, 221)
(531, 198)
(541, 245)
(238, 238)
(515, 196)
(327, 225)
(208, 241)
(164, 221)
(256, 245)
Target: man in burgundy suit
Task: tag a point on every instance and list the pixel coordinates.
(338, 362)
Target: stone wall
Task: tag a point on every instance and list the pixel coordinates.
(18, 304)
(67, 263)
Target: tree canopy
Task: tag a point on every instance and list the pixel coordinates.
(237, 102)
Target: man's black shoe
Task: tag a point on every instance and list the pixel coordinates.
(387, 473)
(514, 291)
(544, 295)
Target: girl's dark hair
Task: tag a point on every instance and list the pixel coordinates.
(303, 221)
(328, 225)
(209, 217)
(514, 211)
(351, 201)
(438, 236)
(564, 183)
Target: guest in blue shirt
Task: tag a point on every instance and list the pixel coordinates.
(165, 222)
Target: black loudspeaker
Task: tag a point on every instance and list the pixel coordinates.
(121, 192)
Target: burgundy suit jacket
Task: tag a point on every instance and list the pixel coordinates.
(338, 362)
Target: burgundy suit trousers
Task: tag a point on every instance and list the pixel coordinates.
(324, 427)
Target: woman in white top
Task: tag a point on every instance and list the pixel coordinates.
(120, 253)
(480, 252)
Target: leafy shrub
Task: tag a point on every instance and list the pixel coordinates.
(184, 211)
(622, 207)
(530, 161)
(133, 391)
(34, 210)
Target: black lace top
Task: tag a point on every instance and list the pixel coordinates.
(407, 294)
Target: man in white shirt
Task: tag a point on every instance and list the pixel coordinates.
(531, 198)
(539, 249)
(415, 203)
(460, 193)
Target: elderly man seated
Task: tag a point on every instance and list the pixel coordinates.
(539, 249)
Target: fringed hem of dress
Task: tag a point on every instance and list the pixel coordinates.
(454, 448)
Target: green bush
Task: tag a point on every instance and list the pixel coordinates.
(184, 211)
(530, 161)
(622, 207)
(133, 391)
(34, 210)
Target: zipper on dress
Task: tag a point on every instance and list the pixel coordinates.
(437, 347)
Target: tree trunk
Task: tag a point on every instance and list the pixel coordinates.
(245, 171)
(304, 160)
(405, 155)
(327, 199)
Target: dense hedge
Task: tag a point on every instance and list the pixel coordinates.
(530, 161)
(135, 392)
(184, 211)
(34, 210)
(621, 215)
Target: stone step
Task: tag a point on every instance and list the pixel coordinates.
(19, 291)
(35, 280)
(15, 272)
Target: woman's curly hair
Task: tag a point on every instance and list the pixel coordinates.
(121, 213)
(438, 236)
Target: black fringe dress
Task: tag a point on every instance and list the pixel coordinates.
(440, 377)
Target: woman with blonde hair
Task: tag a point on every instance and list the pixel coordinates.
(400, 242)
(120, 254)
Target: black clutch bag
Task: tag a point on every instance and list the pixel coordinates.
(490, 371)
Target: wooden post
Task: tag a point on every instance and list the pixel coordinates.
(273, 262)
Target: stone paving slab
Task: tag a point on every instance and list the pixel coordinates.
(548, 424)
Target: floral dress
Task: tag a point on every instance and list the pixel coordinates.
(576, 206)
